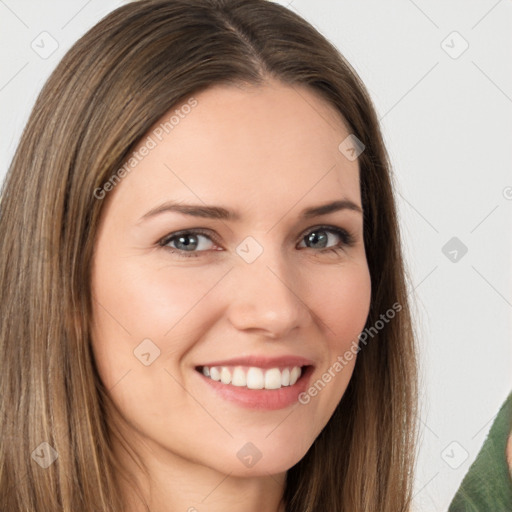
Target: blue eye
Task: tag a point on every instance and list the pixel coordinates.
(190, 243)
(186, 242)
(320, 235)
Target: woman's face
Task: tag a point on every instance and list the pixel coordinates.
(253, 295)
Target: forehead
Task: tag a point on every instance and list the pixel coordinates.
(267, 144)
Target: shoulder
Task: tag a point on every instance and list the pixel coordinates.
(488, 483)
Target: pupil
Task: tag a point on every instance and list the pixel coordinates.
(183, 240)
(315, 238)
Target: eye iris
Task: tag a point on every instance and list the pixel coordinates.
(186, 245)
(314, 237)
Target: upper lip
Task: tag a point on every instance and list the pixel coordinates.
(262, 362)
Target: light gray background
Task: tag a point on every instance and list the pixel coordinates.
(447, 123)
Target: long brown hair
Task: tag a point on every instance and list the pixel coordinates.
(103, 97)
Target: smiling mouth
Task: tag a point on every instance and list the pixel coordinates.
(253, 377)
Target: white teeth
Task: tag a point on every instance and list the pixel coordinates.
(253, 377)
(294, 375)
(285, 377)
(225, 375)
(273, 379)
(239, 378)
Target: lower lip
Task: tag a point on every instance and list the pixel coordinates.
(262, 399)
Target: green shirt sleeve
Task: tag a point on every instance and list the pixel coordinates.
(487, 486)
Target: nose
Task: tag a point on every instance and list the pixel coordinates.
(265, 297)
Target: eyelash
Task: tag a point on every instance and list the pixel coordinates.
(347, 240)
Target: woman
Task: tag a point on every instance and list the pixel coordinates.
(203, 300)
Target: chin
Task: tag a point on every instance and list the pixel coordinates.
(247, 460)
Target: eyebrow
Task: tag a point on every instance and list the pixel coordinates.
(218, 212)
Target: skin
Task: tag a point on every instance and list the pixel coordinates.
(267, 152)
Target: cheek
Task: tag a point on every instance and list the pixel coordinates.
(133, 302)
(341, 299)
(150, 300)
